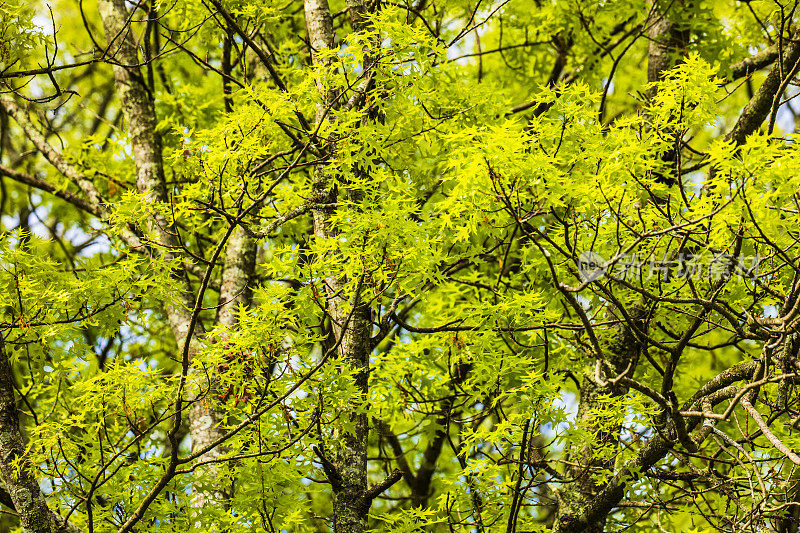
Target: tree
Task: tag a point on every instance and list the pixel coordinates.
(399, 266)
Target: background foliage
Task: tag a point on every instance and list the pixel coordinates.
(248, 279)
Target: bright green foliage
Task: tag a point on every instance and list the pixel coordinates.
(486, 148)
(19, 35)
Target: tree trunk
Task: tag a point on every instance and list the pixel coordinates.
(139, 113)
(351, 329)
(621, 353)
(668, 42)
(17, 473)
(666, 38)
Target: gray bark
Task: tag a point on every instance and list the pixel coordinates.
(751, 64)
(621, 352)
(351, 329)
(668, 44)
(668, 41)
(764, 102)
(236, 291)
(17, 473)
(139, 113)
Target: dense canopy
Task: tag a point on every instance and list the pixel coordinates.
(414, 265)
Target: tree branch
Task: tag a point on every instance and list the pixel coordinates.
(51, 154)
(760, 105)
(42, 185)
(751, 64)
(375, 490)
